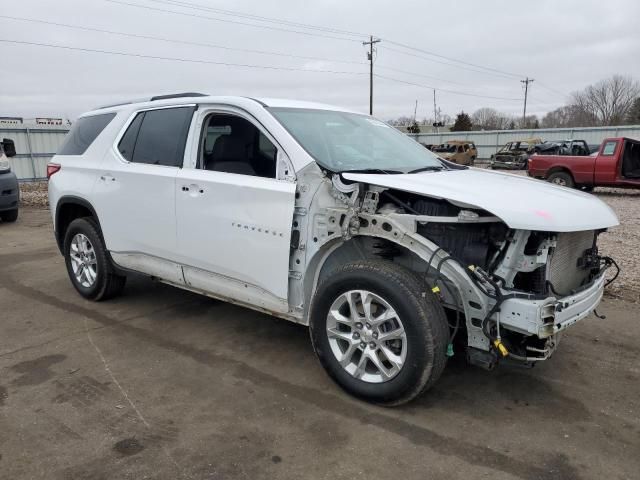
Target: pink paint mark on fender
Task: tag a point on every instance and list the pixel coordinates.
(543, 214)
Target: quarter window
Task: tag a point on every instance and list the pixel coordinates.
(83, 133)
(157, 137)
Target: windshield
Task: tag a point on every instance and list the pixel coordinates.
(445, 148)
(342, 141)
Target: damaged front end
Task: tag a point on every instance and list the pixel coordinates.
(510, 291)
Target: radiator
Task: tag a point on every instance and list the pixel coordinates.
(564, 273)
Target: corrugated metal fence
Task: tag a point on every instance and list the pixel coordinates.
(36, 145)
(490, 141)
(34, 148)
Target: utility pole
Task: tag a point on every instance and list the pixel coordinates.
(371, 42)
(526, 82)
(415, 111)
(435, 111)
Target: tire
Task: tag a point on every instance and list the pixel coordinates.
(10, 216)
(472, 162)
(95, 278)
(563, 179)
(422, 350)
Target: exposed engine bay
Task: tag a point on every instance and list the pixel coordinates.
(508, 293)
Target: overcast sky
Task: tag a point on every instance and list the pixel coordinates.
(565, 45)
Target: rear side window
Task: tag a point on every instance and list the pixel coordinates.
(609, 148)
(83, 133)
(157, 137)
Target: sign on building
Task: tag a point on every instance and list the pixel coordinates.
(48, 121)
(10, 121)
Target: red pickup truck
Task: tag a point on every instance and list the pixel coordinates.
(615, 164)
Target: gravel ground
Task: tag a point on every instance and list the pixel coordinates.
(34, 194)
(619, 243)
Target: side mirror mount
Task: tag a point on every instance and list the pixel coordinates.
(9, 147)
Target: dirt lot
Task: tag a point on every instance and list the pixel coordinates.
(165, 384)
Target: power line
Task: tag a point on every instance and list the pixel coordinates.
(236, 22)
(557, 92)
(427, 52)
(177, 59)
(453, 92)
(278, 21)
(445, 63)
(179, 3)
(320, 28)
(392, 69)
(184, 42)
(477, 68)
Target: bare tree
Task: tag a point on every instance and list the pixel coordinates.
(489, 119)
(400, 121)
(530, 122)
(607, 102)
(485, 119)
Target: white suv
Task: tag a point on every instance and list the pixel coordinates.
(393, 257)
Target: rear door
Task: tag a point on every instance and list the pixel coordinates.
(234, 212)
(135, 193)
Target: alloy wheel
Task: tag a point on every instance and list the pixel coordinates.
(83, 260)
(366, 336)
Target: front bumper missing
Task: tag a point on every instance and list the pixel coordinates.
(551, 315)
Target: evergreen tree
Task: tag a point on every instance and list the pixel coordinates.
(414, 127)
(462, 123)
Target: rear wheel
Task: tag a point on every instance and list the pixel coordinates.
(88, 264)
(563, 179)
(10, 216)
(378, 334)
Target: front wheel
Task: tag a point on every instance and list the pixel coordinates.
(88, 264)
(377, 331)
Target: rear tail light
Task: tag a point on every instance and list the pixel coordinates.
(52, 168)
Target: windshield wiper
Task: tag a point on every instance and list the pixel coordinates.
(372, 170)
(431, 168)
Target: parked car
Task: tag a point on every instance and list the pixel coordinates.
(565, 147)
(616, 164)
(461, 152)
(9, 187)
(514, 155)
(390, 254)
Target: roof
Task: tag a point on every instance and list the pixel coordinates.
(458, 142)
(193, 97)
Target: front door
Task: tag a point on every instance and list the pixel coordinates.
(234, 215)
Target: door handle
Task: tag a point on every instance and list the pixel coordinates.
(194, 189)
(107, 177)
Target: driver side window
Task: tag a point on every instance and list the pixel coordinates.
(233, 144)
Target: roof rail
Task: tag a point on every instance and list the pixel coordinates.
(157, 97)
(177, 95)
